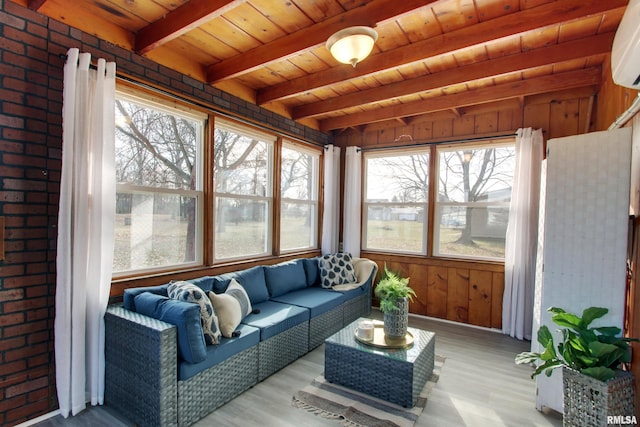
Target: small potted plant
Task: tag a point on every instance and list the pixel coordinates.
(590, 358)
(394, 293)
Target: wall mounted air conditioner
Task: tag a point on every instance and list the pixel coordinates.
(625, 53)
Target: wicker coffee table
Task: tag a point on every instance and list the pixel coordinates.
(394, 375)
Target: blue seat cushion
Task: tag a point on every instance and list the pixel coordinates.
(228, 347)
(311, 270)
(316, 299)
(186, 318)
(275, 317)
(359, 291)
(253, 281)
(285, 277)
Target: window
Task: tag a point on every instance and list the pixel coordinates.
(243, 191)
(159, 185)
(396, 201)
(190, 197)
(472, 209)
(299, 172)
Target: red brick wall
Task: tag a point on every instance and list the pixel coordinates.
(30, 105)
(31, 76)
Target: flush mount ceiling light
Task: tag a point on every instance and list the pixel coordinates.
(352, 44)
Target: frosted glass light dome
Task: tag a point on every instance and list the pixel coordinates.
(352, 45)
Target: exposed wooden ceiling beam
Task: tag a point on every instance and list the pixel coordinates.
(560, 81)
(559, 96)
(516, 23)
(370, 14)
(581, 48)
(181, 20)
(35, 4)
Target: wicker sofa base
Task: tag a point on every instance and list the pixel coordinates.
(207, 391)
(141, 359)
(356, 308)
(320, 327)
(280, 350)
(141, 368)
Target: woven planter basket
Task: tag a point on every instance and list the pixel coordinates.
(588, 401)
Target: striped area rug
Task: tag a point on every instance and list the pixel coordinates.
(352, 408)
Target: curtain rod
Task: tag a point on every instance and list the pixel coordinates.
(452, 141)
(202, 105)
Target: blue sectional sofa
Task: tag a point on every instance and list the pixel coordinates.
(160, 372)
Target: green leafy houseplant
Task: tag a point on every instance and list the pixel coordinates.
(391, 287)
(595, 352)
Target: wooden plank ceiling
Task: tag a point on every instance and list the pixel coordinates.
(430, 56)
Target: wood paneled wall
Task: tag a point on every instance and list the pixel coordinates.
(560, 114)
(467, 291)
(613, 100)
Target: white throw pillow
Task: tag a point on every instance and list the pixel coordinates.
(231, 307)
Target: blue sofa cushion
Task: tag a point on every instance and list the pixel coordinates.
(311, 270)
(317, 300)
(205, 283)
(221, 282)
(128, 299)
(275, 317)
(185, 316)
(359, 291)
(253, 281)
(228, 347)
(188, 292)
(285, 277)
(336, 269)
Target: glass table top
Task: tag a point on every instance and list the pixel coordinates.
(346, 337)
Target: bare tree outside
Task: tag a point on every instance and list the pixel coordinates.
(396, 196)
(474, 191)
(243, 194)
(154, 148)
(156, 172)
(299, 205)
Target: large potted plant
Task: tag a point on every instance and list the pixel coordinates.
(394, 293)
(590, 358)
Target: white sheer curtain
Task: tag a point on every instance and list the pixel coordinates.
(85, 230)
(331, 213)
(352, 201)
(522, 236)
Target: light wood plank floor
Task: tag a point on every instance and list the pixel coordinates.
(479, 386)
